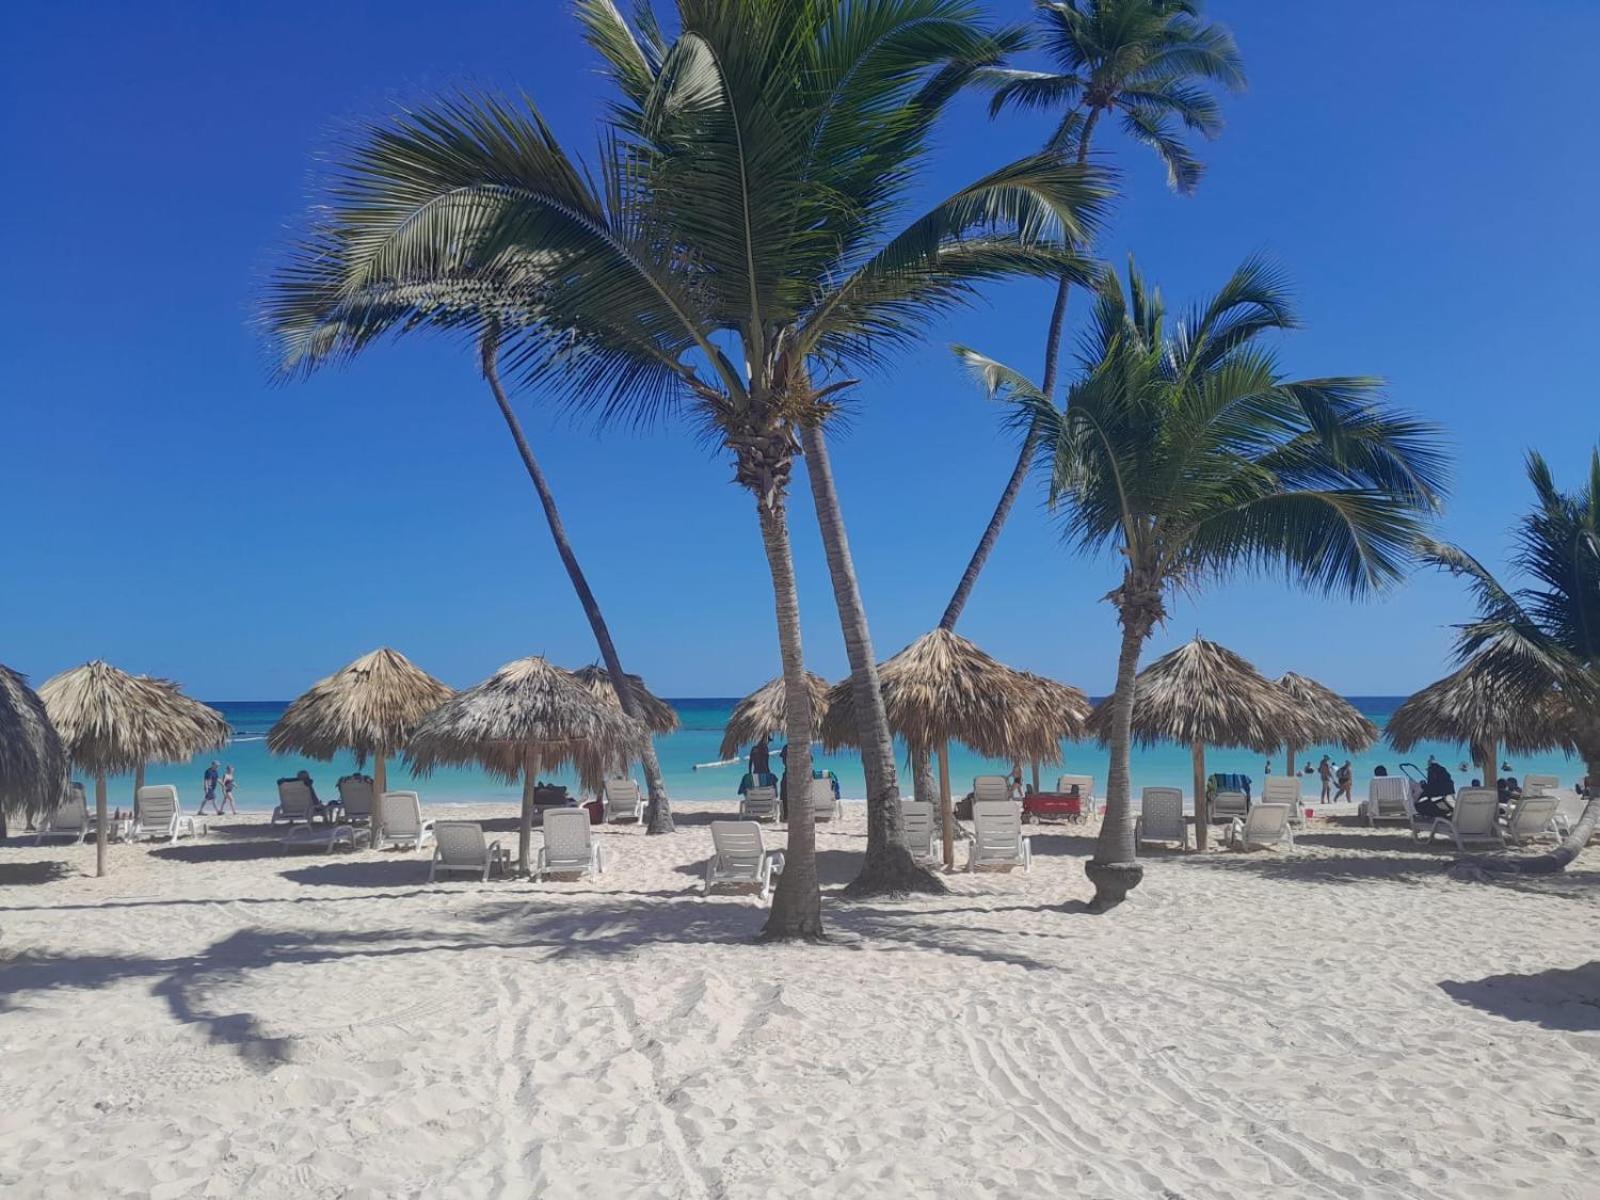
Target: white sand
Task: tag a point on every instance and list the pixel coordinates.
(220, 1019)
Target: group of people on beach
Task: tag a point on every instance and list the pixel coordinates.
(214, 779)
(1337, 783)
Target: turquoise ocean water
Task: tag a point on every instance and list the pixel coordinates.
(697, 742)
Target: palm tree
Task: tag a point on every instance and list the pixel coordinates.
(728, 258)
(1540, 644)
(1147, 62)
(1188, 453)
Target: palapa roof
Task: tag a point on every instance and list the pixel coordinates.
(1203, 692)
(112, 722)
(1329, 719)
(525, 704)
(33, 764)
(1470, 706)
(942, 688)
(656, 713)
(370, 706)
(762, 713)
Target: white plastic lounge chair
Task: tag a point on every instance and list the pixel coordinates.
(986, 788)
(622, 800)
(568, 848)
(1530, 818)
(1284, 789)
(1085, 786)
(738, 857)
(297, 802)
(356, 797)
(1533, 785)
(1388, 799)
(1568, 812)
(325, 837)
(460, 846)
(825, 806)
(1161, 818)
(1229, 806)
(160, 815)
(70, 819)
(1474, 822)
(759, 804)
(919, 830)
(998, 840)
(403, 823)
(1265, 825)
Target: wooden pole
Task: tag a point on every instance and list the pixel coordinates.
(380, 785)
(530, 776)
(1288, 757)
(946, 809)
(100, 823)
(138, 783)
(1202, 809)
(1036, 787)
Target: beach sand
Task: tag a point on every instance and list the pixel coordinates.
(222, 1018)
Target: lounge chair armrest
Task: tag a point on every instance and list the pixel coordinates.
(775, 859)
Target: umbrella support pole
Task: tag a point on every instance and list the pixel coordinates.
(1202, 807)
(946, 808)
(100, 824)
(380, 784)
(530, 776)
(1288, 759)
(1036, 788)
(138, 786)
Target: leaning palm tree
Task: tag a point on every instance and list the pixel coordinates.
(1146, 62)
(1188, 453)
(727, 259)
(1537, 647)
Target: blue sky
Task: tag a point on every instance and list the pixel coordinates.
(1423, 170)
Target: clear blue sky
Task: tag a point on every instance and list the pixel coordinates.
(1425, 170)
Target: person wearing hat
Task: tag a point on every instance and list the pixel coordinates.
(212, 775)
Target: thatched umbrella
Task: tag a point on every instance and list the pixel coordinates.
(111, 722)
(942, 689)
(1204, 695)
(657, 715)
(526, 715)
(761, 714)
(1329, 719)
(1471, 708)
(33, 765)
(369, 707)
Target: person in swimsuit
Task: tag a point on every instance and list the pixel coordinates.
(227, 792)
(1325, 773)
(1345, 779)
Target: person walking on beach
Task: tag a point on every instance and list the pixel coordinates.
(1325, 773)
(1346, 777)
(211, 776)
(227, 792)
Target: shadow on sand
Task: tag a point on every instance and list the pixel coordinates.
(1565, 999)
(27, 873)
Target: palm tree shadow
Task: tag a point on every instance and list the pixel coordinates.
(27, 874)
(1564, 999)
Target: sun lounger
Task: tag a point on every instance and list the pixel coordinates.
(1569, 811)
(920, 830)
(990, 787)
(1531, 817)
(403, 823)
(1085, 786)
(759, 804)
(998, 840)
(325, 837)
(1161, 818)
(1284, 789)
(825, 805)
(1474, 822)
(70, 819)
(1229, 806)
(569, 848)
(738, 857)
(1265, 825)
(356, 798)
(1533, 785)
(160, 815)
(622, 801)
(461, 846)
(297, 802)
(1388, 799)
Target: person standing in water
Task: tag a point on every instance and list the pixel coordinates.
(227, 792)
(210, 797)
(1325, 773)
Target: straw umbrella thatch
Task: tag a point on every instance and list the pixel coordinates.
(1200, 695)
(657, 715)
(1329, 719)
(528, 714)
(942, 689)
(33, 765)
(761, 714)
(1469, 707)
(369, 707)
(111, 722)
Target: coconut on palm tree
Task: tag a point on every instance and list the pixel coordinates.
(1149, 65)
(1186, 451)
(727, 258)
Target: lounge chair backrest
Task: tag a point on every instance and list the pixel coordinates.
(566, 837)
(1532, 815)
(822, 800)
(356, 794)
(459, 842)
(1570, 807)
(621, 792)
(1230, 804)
(1281, 789)
(1389, 796)
(158, 804)
(1533, 784)
(917, 824)
(1162, 811)
(760, 801)
(294, 798)
(997, 828)
(72, 813)
(402, 814)
(1266, 823)
(1475, 812)
(1085, 785)
(738, 847)
(990, 787)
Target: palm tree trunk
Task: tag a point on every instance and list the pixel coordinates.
(797, 901)
(888, 869)
(1114, 869)
(926, 787)
(1019, 473)
(660, 817)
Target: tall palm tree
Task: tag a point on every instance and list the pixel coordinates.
(1189, 454)
(728, 258)
(1146, 62)
(1540, 644)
